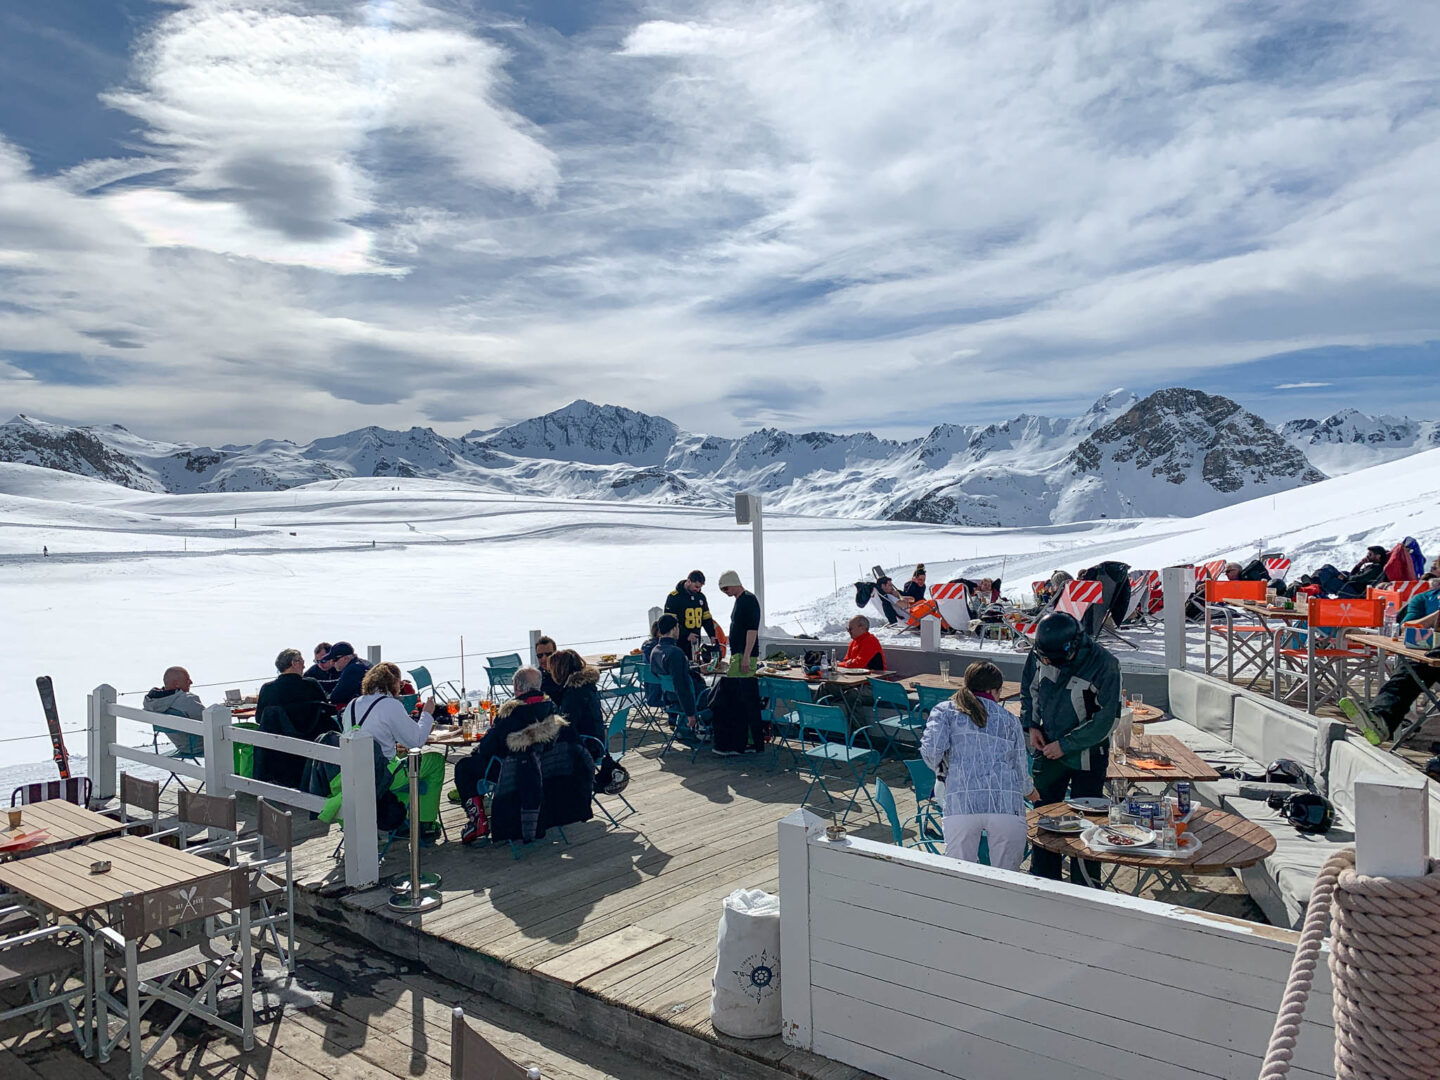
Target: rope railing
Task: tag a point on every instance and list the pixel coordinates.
(1385, 972)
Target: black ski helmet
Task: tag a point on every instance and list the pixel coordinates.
(1057, 637)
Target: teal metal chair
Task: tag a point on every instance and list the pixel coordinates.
(652, 714)
(779, 713)
(422, 679)
(625, 684)
(835, 743)
(905, 724)
(682, 729)
(500, 674)
(886, 798)
(930, 696)
(928, 817)
(598, 750)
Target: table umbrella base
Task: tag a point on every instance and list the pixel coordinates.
(414, 905)
(400, 883)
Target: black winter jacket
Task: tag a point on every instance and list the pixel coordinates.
(580, 703)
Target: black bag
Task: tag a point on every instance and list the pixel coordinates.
(863, 591)
(1288, 771)
(1307, 811)
(613, 778)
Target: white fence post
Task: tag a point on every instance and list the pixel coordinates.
(795, 830)
(1392, 825)
(219, 750)
(535, 635)
(357, 808)
(930, 633)
(99, 760)
(1176, 585)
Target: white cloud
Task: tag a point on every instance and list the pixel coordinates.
(959, 203)
(1300, 385)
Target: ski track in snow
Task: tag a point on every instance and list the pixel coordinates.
(451, 562)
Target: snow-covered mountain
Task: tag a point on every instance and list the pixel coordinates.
(1351, 440)
(1177, 452)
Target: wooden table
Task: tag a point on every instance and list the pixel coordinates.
(1146, 714)
(604, 665)
(65, 822)
(61, 881)
(1299, 613)
(1388, 646)
(1007, 691)
(844, 677)
(1227, 842)
(1188, 765)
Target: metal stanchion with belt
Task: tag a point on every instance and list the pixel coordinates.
(413, 891)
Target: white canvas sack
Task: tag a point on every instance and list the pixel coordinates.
(745, 992)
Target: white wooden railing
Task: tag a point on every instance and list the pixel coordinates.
(912, 965)
(355, 756)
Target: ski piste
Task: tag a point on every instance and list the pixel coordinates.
(52, 720)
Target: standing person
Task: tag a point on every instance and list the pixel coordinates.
(545, 650)
(1069, 701)
(977, 749)
(294, 705)
(915, 587)
(739, 724)
(323, 671)
(687, 603)
(352, 673)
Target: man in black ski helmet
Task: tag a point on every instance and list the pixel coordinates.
(1069, 702)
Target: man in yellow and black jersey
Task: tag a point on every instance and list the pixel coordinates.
(687, 604)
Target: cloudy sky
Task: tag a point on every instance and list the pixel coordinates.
(227, 219)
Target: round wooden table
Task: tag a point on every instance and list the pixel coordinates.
(1227, 842)
(1146, 714)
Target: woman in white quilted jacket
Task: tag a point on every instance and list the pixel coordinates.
(977, 749)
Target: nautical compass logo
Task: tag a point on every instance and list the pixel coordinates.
(759, 976)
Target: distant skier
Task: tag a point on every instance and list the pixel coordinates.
(45, 550)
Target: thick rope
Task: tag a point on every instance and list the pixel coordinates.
(1385, 968)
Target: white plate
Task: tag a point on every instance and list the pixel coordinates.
(1189, 846)
(1073, 827)
(1089, 804)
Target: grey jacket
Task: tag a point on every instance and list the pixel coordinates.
(1076, 705)
(174, 702)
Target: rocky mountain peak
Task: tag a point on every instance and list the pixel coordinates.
(593, 434)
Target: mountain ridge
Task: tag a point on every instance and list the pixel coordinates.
(1175, 452)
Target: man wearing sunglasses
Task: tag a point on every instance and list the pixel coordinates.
(545, 648)
(1069, 701)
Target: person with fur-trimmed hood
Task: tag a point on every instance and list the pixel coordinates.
(579, 699)
(552, 783)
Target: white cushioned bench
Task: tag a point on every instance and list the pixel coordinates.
(1226, 725)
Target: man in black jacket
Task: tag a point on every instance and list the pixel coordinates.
(352, 673)
(295, 706)
(322, 670)
(687, 603)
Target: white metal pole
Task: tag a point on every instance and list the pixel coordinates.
(757, 532)
(1175, 581)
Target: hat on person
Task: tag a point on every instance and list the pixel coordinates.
(730, 578)
(339, 649)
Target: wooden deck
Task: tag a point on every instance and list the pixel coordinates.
(615, 932)
(348, 1014)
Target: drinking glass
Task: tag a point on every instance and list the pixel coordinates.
(1137, 699)
(452, 707)
(945, 671)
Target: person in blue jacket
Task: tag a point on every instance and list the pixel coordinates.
(667, 658)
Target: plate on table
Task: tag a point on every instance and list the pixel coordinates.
(1068, 824)
(1122, 837)
(1089, 804)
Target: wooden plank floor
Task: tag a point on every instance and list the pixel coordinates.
(629, 914)
(348, 1014)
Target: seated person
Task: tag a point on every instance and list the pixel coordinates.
(579, 700)
(379, 713)
(173, 697)
(652, 691)
(865, 650)
(295, 706)
(545, 649)
(1368, 571)
(668, 658)
(526, 722)
(915, 587)
(1379, 721)
(894, 603)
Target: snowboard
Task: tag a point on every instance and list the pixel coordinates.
(52, 720)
